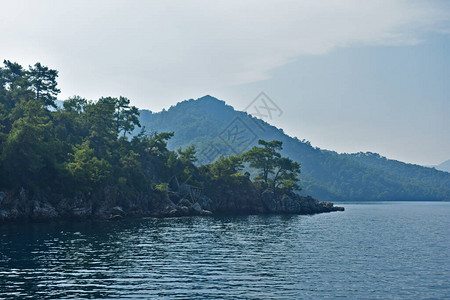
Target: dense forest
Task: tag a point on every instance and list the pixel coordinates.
(326, 175)
(84, 158)
(85, 150)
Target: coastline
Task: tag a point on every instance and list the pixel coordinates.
(107, 205)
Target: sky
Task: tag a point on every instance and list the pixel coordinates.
(349, 75)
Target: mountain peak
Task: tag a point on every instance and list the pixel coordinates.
(205, 103)
(216, 128)
(208, 98)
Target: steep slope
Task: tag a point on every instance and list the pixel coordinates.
(217, 129)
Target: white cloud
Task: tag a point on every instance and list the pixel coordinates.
(177, 49)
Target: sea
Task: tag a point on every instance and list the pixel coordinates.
(372, 250)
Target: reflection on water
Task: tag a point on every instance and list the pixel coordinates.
(382, 250)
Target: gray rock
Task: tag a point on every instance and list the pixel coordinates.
(184, 210)
(78, 207)
(205, 202)
(81, 212)
(270, 202)
(115, 218)
(117, 210)
(184, 202)
(205, 212)
(245, 199)
(174, 213)
(43, 211)
(196, 207)
(295, 204)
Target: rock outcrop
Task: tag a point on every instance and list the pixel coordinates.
(109, 205)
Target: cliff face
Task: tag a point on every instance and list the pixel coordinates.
(109, 204)
(103, 204)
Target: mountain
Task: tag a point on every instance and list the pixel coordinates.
(445, 166)
(215, 129)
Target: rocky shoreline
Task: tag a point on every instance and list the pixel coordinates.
(108, 205)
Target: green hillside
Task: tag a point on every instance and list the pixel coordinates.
(217, 129)
(82, 161)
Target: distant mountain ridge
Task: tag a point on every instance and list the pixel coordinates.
(326, 174)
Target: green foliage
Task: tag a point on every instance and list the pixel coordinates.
(75, 104)
(29, 151)
(86, 169)
(84, 145)
(80, 147)
(325, 175)
(286, 175)
(126, 117)
(226, 167)
(187, 156)
(264, 159)
(88, 144)
(13, 76)
(162, 187)
(43, 82)
(274, 172)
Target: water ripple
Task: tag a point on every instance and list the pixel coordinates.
(386, 250)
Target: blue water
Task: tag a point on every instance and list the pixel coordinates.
(372, 250)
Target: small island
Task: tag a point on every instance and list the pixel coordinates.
(82, 161)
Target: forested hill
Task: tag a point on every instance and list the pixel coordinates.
(81, 161)
(215, 128)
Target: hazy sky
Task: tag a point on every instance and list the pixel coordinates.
(348, 75)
